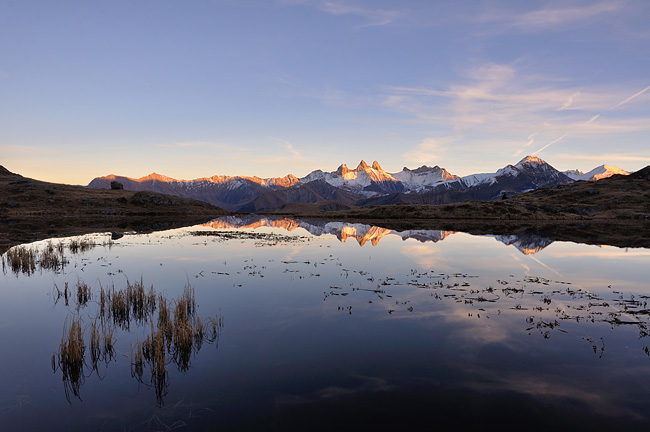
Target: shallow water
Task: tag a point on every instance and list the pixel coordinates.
(327, 325)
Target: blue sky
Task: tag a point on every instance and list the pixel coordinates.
(270, 87)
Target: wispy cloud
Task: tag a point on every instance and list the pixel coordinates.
(373, 16)
(429, 151)
(295, 154)
(567, 104)
(496, 106)
(551, 143)
(549, 18)
(634, 96)
(531, 140)
(376, 17)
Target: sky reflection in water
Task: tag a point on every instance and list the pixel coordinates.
(318, 318)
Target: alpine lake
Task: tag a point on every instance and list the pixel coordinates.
(280, 324)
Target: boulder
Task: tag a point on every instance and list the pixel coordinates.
(116, 185)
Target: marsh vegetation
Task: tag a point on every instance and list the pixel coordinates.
(89, 339)
(49, 255)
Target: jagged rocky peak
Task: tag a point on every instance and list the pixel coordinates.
(342, 169)
(363, 167)
(574, 174)
(422, 169)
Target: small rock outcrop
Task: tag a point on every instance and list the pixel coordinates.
(116, 185)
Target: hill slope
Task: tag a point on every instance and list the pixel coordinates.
(32, 209)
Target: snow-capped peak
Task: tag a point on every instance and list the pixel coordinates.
(600, 172)
(529, 160)
(356, 179)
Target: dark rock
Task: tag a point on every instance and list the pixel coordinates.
(550, 209)
(642, 174)
(584, 211)
(116, 185)
(116, 235)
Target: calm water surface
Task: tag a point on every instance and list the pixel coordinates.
(310, 326)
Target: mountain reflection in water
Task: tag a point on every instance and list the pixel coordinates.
(528, 244)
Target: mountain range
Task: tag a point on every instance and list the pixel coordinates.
(366, 185)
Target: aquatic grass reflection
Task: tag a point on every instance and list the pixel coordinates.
(170, 341)
(81, 245)
(46, 256)
(20, 259)
(71, 357)
(52, 256)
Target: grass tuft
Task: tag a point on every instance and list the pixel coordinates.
(176, 333)
(71, 357)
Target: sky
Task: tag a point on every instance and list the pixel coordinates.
(197, 88)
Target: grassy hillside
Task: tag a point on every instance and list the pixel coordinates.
(32, 209)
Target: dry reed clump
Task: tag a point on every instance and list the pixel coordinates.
(101, 344)
(83, 293)
(108, 346)
(52, 257)
(155, 354)
(164, 321)
(172, 341)
(137, 361)
(183, 334)
(20, 259)
(71, 357)
(23, 259)
(103, 303)
(80, 245)
(131, 303)
(120, 309)
(95, 345)
(141, 302)
(173, 338)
